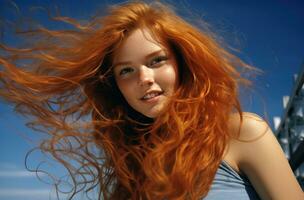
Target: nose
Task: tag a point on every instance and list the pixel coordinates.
(145, 76)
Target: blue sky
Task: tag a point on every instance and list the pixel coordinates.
(269, 35)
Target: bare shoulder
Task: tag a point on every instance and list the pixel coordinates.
(251, 127)
(256, 152)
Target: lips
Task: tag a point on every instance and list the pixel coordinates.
(151, 95)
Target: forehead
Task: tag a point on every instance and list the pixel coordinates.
(138, 44)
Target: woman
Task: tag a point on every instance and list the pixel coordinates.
(163, 101)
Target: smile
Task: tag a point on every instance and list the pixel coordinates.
(151, 95)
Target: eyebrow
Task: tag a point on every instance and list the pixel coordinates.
(146, 57)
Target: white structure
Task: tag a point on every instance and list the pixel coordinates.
(289, 129)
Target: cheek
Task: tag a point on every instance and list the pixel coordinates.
(126, 89)
(169, 76)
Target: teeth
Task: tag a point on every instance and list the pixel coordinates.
(150, 95)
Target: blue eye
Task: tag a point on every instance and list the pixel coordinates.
(126, 70)
(158, 60)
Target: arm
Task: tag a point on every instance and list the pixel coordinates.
(259, 156)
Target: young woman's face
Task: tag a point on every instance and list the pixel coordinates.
(145, 72)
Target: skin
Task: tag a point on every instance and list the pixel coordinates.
(148, 68)
(257, 154)
(253, 151)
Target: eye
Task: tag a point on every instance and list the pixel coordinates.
(125, 71)
(157, 60)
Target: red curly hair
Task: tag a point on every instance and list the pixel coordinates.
(67, 88)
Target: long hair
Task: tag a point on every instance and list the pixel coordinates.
(66, 85)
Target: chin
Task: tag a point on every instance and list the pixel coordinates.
(152, 113)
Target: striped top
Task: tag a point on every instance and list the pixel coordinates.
(228, 184)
